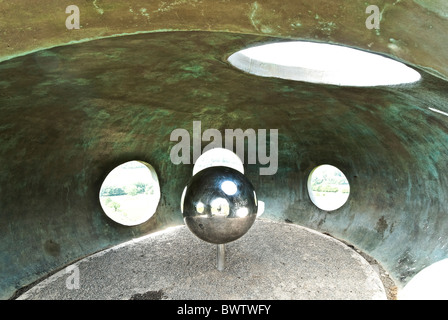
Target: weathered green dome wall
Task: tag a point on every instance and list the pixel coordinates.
(72, 113)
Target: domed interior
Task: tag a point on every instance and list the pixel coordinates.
(76, 103)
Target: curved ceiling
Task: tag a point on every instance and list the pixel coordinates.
(72, 113)
(411, 31)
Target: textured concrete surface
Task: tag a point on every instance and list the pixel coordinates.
(272, 261)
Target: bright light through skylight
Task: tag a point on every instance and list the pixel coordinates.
(322, 63)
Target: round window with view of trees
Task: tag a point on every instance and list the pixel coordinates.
(328, 187)
(130, 193)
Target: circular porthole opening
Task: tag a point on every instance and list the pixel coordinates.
(130, 193)
(431, 283)
(218, 157)
(322, 63)
(328, 187)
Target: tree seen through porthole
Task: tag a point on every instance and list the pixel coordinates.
(130, 193)
(328, 187)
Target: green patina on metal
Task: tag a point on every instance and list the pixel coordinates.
(70, 114)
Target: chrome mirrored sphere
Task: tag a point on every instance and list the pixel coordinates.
(219, 204)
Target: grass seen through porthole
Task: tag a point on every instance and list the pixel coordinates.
(130, 193)
(328, 187)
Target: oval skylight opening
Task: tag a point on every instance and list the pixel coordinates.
(328, 187)
(130, 193)
(322, 63)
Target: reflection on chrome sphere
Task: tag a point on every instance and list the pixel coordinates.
(219, 205)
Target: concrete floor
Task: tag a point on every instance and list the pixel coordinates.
(272, 261)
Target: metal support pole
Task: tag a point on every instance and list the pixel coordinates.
(220, 257)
